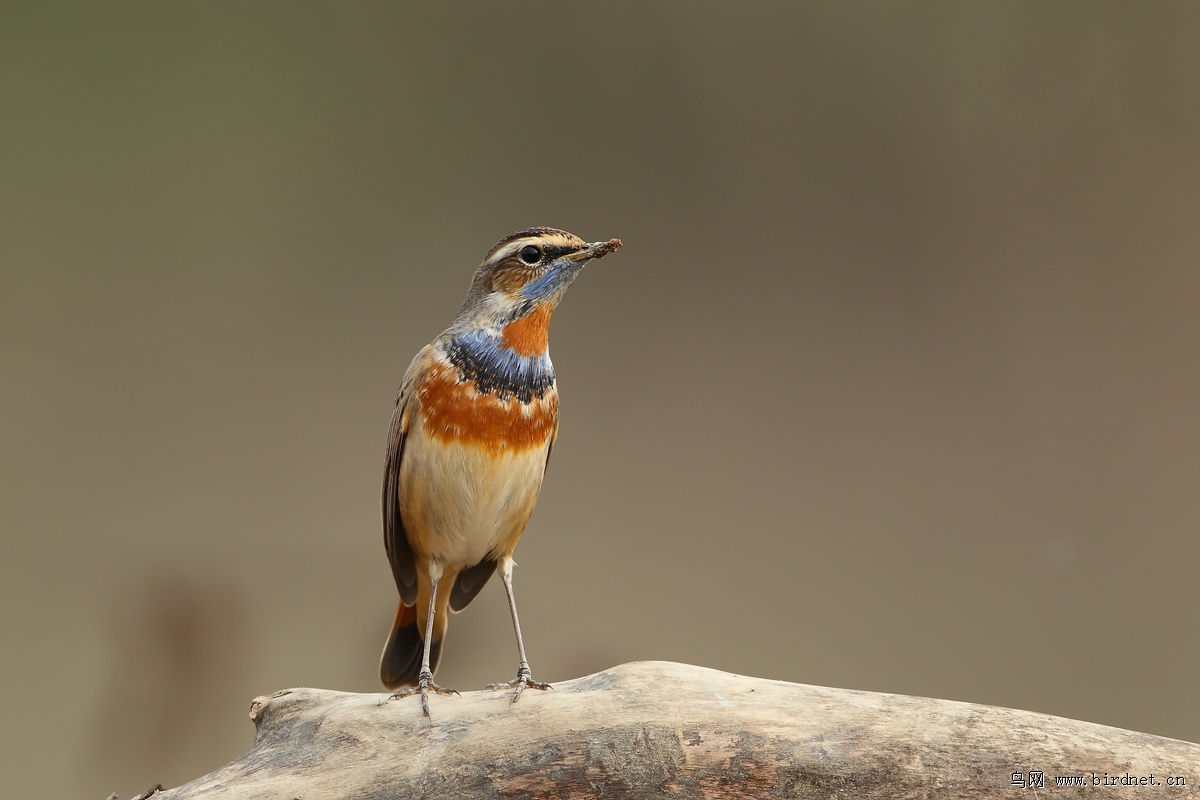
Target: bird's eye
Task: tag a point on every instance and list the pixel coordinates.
(530, 254)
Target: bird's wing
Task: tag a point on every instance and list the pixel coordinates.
(395, 537)
(550, 449)
(469, 582)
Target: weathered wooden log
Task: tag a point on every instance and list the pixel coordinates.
(655, 729)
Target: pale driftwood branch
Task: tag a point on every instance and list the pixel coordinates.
(656, 729)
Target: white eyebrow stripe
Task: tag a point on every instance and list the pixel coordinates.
(543, 240)
(508, 250)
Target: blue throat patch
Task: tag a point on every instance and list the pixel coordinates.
(482, 358)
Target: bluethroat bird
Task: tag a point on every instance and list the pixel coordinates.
(467, 448)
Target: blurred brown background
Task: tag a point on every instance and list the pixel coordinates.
(893, 387)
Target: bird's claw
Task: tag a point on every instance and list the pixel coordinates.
(523, 681)
(425, 685)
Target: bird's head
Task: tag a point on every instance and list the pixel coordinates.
(526, 274)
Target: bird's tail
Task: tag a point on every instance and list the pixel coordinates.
(401, 662)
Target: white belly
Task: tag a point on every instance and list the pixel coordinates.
(460, 502)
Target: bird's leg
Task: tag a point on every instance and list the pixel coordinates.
(425, 680)
(524, 677)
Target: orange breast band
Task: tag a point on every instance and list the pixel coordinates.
(452, 410)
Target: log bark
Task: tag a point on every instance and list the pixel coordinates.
(655, 729)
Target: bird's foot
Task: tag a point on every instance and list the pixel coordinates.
(523, 681)
(425, 685)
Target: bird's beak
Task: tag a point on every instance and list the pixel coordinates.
(594, 250)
